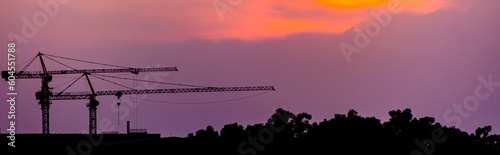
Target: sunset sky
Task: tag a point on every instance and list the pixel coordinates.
(428, 56)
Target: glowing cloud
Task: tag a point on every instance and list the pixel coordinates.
(351, 3)
(176, 20)
(255, 20)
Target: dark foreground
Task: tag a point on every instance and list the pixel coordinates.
(284, 133)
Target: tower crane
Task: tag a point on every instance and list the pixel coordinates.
(45, 95)
(94, 103)
(46, 76)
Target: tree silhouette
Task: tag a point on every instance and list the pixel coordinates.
(287, 133)
(354, 134)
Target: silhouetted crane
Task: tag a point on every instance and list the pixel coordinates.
(45, 95)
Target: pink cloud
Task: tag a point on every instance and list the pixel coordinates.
(176, 20)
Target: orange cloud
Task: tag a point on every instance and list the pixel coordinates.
(424, 7)
(351, 3)
(177, 20)
(254, 20)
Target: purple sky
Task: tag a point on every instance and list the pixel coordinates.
(426, 59)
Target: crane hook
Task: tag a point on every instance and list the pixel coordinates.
(119, 95)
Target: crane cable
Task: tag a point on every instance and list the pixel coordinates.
(135, 102)
(116, 77)
(71, 79)
(152, 81)
(112, 82)
(70, 85)
(211, 102)
(27, 65)
(86, 61)
(63, 76)
(60, 63)
(135, 84)
(46, 56)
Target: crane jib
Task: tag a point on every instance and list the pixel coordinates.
(40, 74)
(88, 95)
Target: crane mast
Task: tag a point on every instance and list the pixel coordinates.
(45, 93)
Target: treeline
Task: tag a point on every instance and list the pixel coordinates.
(288, 133)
